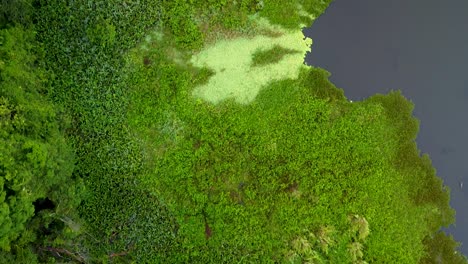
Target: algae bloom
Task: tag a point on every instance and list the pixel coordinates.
(235, 74)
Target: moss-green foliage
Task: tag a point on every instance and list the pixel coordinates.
(299, 175)
(440, 249)
(321, 87)
(228, 14)
(178, 16)
(36, 161)
(270, 56)
(417, 169)
(102, 33)
(294, 176)
(288, 13)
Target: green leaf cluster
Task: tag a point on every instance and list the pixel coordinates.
(36, 160)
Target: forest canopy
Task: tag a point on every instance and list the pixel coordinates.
(109, 152)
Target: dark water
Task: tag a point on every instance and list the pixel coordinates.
(420, 47)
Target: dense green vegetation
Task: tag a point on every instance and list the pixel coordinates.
(273, 55)
(38, 192)
(105, 157)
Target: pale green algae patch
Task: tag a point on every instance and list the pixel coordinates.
(231, 61)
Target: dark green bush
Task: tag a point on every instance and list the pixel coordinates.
(15, 12)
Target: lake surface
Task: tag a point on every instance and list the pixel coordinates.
(420, 47)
